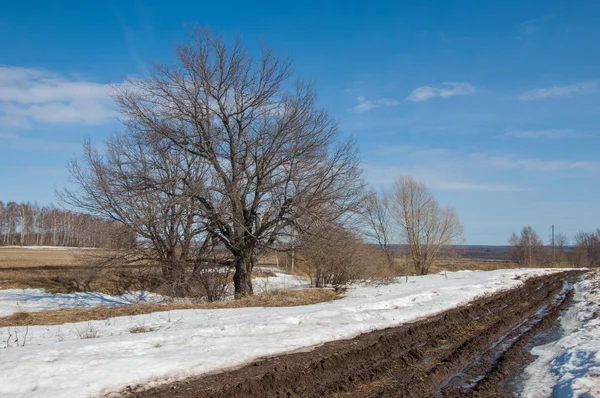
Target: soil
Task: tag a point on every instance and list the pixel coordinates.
(470, 351)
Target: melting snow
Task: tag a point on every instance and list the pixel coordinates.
(570, 366)
(63, 360)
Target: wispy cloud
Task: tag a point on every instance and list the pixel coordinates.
(14, 142)
(456, 170)
(448, 185)
(29, 95)
(447, 90)
(558, 91)
(533, 25)
(543, 134)
(365, 105)
(435, 178)
(543, 165)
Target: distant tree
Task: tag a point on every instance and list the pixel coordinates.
(424, 227)
(379, 222)
(587, 249)
(561, 243)
(527, 247)
(31, 225)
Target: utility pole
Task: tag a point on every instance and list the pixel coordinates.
(552, 243)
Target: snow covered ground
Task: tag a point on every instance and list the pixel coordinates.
(570, 366)
(32, 300)
(93, 358)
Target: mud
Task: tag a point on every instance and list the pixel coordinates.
(471, 351)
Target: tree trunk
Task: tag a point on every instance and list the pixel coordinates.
(242, 279)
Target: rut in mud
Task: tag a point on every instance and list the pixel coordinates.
(467, 351)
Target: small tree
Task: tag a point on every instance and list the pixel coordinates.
(334, 256)
(424, 226)
(527, 248)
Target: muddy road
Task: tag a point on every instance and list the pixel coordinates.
(470, 351)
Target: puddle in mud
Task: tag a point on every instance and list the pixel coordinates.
(515, 385)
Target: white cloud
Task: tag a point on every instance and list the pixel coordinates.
(449, 89)
(29, 95)
(558, 91)
(365, 105)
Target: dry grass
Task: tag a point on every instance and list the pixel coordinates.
(28, 258)
(62, 271)
(286, 298)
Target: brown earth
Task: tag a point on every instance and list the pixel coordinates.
(473, 351)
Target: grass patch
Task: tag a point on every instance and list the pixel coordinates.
(141, 329)
(286, 298)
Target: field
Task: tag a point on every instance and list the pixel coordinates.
(61, 271)
(456, 332)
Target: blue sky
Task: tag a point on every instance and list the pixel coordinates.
(495, 105)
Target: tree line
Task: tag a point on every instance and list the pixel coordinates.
(528, 249)
(26, 224)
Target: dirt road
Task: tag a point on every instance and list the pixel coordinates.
(468, 351)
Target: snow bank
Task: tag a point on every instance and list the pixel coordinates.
(62, 361)
(570, 366)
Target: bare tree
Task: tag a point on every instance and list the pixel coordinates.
(333, 255)
(587, 249)
(147, 186)
(527, 247)
(379, 226)
(268, 156)
(424, 227)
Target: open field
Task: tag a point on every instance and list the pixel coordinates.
(61, 271)
(12, 257)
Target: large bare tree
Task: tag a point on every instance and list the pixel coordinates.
(425, 227)
(269, 155)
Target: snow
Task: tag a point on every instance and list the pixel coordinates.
(33, 300)
(280, 281)
(98, 357)
(570, 366)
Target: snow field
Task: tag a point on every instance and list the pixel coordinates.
(61, 361)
